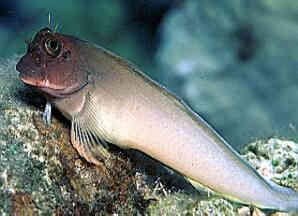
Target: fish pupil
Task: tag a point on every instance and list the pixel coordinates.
(53, 44)
(53, 47)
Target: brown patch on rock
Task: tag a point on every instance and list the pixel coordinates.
(23, 205)
(79, 209)
(107, 189)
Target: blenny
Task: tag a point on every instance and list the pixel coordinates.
(107, 99)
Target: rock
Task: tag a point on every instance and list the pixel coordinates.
(257, 212)
(244, 211)
(275, 159)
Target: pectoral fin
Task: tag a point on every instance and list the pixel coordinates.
(85, 137)
(47, 114)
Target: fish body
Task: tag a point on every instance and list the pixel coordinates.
(108, 100)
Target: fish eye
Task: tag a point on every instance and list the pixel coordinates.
(53, 47)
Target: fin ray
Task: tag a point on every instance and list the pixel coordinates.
(86, 136)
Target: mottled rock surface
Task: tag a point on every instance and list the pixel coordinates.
(276, 160)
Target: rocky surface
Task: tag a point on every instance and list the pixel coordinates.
(276, 160)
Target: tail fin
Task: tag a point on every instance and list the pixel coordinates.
(288, 197)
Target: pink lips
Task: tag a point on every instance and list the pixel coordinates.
(42, 83)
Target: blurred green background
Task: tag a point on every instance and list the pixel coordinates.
(129, 27)
(234, 62)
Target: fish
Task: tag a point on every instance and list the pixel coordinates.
(108, 100)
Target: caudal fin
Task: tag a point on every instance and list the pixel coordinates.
(288, 198)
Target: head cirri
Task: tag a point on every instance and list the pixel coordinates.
(52, 64)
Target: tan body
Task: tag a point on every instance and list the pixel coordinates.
(107, 99)
(135, 112)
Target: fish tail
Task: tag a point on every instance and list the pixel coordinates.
(283, 199)
(288, 198)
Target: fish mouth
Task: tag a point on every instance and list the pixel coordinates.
(50, 89)
(62, 93)
(39, 83)
(32, 78)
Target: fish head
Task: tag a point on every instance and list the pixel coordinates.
(53, 64)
